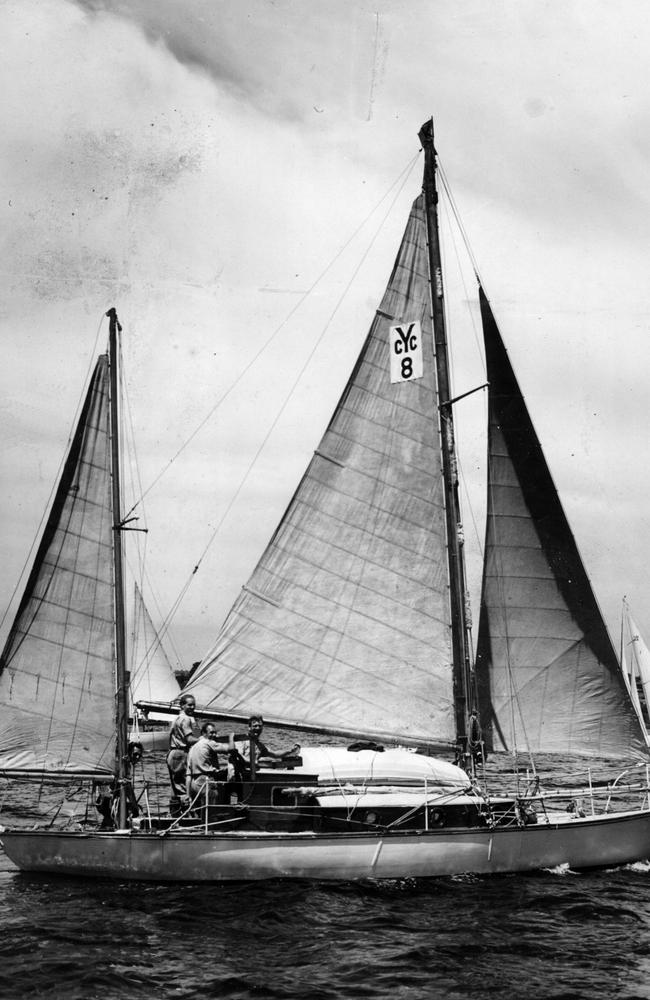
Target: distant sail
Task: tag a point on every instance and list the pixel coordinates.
(57, 682)
(345, 622)
(152, 676)
(628, 666)
(549, 678)
(635, 664)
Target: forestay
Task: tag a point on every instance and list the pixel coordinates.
(57, 685)
(345, 622)
(549, 678)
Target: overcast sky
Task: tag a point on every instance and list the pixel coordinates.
(200, 164)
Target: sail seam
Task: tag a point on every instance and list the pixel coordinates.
(34, 710)
(377, 508)
(427, 591)
(85, 468)
(99, 657)
(358, 388)
(363, 445)
(332, 629)
(92, 615)
(329, 458)
(397, 684)
(361, 530)
(368, 505)
(69, 533)
(262, 597)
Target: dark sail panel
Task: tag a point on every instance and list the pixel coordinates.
(548, 675)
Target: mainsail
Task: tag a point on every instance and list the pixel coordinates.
(344, 625)
(549, 678)
(152, 677)
(57, 681)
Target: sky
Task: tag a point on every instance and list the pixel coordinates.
(220, 172)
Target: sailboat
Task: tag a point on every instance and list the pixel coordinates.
(635, 665)
(354, 624)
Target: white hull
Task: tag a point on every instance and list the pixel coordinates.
(195, 857)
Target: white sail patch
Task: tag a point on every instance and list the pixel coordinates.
(406, 352)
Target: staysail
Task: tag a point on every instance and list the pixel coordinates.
(549, 678)
(344, 625)
(152, 677)
(57, 683)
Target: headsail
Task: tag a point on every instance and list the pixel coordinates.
(57, 684)
(344, 625)
(549, 678)
(152, 677)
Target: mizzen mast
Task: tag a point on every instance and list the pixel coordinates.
(460, 628)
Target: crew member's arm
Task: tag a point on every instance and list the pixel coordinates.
(224, 747)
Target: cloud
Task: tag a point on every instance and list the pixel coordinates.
(281, 57)
(93, 138)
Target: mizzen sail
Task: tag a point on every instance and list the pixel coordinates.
(549, 678)
(57, 684)
(344, 625)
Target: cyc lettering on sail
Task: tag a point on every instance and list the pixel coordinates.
(405, 352)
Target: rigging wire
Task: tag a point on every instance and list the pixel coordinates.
(459, 221)
(141, 667)
(459, 465)
(445, 204)
(402, 176)
(139, 572)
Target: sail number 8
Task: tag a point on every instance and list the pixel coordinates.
(405, 352)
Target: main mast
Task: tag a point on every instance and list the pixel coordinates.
(457, 586)
(122, 706)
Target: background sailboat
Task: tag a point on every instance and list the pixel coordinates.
(635, 666)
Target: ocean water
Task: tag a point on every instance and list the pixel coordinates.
(560, 935)
(551, 935)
